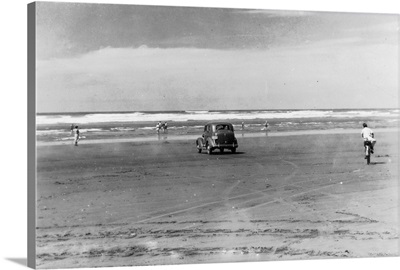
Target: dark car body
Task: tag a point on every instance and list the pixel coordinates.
(217, 135)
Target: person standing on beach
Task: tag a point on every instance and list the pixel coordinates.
(158, 126)
(165, 127)
(265, 125)
(368, 135)
(76, 131)
(72, 129)
(242, 125)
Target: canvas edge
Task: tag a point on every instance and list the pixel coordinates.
(31, 129)
(398, 126)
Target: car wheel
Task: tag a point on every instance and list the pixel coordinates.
(221, 150)
(209, 150)
(199, 147)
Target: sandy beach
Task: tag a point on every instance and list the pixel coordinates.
(153, 202)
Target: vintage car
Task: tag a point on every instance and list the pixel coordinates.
(217, 135)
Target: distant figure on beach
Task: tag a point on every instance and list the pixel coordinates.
(368, 135)
(162, 126)
(76, 133)
(158, 127)
(265, 125)
(72, 129)
(242, 125)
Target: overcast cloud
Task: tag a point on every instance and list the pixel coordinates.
(126, 58)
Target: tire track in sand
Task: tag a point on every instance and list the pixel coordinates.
(224, 200)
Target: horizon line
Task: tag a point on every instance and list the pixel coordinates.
(205, 110)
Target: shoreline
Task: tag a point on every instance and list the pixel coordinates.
(239, 133)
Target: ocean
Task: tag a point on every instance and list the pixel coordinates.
(106, 125)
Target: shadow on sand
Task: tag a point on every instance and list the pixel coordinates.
(377, 163)
(20, 261)
(217, 153)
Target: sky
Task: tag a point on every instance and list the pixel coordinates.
(98, 57)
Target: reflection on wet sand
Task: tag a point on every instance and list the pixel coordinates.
(162, 137)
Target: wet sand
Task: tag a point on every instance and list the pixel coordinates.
(160, 202)
(162, 136)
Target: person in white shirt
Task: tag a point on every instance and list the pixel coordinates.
(158, 127)
(368, 135)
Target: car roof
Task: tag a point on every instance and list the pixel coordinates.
(218, 123)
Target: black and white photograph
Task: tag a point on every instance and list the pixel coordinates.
(197, 135)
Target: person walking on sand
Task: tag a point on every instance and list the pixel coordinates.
(165, 127)
(265, 125)
(242, 125)
(368, 135)
(76, 133)
(158, 126)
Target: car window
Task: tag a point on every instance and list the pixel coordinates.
(223, 127)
